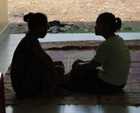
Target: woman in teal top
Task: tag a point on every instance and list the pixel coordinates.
(112, 56)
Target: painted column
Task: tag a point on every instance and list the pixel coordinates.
(3, 14)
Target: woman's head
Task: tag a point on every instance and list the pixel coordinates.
(37, 24)
(107, 24)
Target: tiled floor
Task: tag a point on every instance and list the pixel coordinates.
(72, 109)
(7, 47)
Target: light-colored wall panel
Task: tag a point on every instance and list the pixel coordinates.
(3, 14)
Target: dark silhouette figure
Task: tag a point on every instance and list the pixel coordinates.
(32, 70)
(108, 71)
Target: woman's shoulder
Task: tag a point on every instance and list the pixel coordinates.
(24, 44)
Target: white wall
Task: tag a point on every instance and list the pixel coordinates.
(3, 14)
(4, 31)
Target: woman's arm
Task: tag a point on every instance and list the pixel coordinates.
(42, 55)
(92, 64)
(50, 66)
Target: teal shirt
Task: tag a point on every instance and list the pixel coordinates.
(114, 57)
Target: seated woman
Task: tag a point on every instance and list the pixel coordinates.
(32, 70)
(112, 56)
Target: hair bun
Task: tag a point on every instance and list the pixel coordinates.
(28, 17)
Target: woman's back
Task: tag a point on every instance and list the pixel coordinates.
(115, 59)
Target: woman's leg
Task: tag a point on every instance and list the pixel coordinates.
(106, 88)
(60, 70)
(82, 79)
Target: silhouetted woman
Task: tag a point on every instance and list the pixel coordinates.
(112, 56)
(32, 70)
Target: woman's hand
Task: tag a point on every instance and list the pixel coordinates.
(59, 67)
(77, 63)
